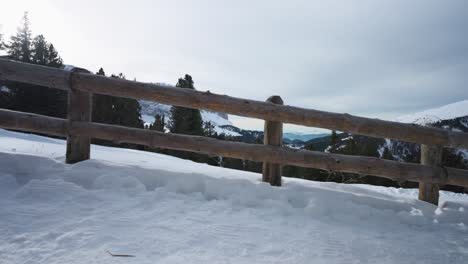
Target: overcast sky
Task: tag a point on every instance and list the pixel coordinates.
(370, 58)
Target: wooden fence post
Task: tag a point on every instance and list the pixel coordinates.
(79, 110)
(430, 155)
(273, 135)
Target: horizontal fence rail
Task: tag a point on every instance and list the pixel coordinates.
(61, 79)
(393, 170)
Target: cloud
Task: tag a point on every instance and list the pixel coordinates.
(372, 58)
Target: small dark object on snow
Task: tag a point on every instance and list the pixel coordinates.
(120, 255)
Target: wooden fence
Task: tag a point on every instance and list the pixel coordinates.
(79, 129)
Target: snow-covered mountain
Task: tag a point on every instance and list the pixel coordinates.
(431, 116)
(150, 109)
(453, 117)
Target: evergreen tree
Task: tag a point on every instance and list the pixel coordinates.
(102, 105)
(52, 101)
(19, 48)
(40, 53)
(309, 147)
(351, 147)
(2, 44)
(116, 110)
(387, 154)
(44, 53)
(158, 124)
(333, 138)
(126, 111)
(209, 129)
(33, 98)
(186, 120)
(54, 60)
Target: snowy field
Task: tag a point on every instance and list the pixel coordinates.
(167, 210)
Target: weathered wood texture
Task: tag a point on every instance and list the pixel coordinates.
(33, 123)
(272, 112)
(79, 110)
(332, 162)
(273, 136)
(205, 100)
(430, 155)
(34, 74)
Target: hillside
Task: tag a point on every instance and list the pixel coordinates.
(453, 116)
(163, 209)
(432, 116)
(150, 109)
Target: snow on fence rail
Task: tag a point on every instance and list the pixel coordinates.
(81, 84)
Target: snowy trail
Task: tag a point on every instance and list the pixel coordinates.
(154, 207)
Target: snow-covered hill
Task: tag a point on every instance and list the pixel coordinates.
(167, 210)
(430, 116)
(150, 109)
(452, 116)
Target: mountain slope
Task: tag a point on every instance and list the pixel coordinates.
(150, 109)
(349, 144)
(431, 116)
(163, 209)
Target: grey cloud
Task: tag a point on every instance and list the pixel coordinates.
(372, 58)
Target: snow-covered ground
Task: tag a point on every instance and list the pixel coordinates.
(167, 210)
(434, 115)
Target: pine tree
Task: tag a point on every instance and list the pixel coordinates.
(116, 110)
(333, 138)
(158, 124)
(310, 147)
(19, 48)
(52, 101)
(186, 120)
(102, 105)
(54, 60)
(2, 44)
(40, 53)
(32, 98)
(351, 147)
(209, 129)
(387, 154)
(126, 111)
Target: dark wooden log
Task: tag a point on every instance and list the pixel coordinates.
(273, 136)
(266, 111)
(205, 100)
(79, 110)
(34, 74)
(33, 123)
(430, 155)
(394, 170)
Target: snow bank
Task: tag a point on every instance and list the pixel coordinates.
(167, 210)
